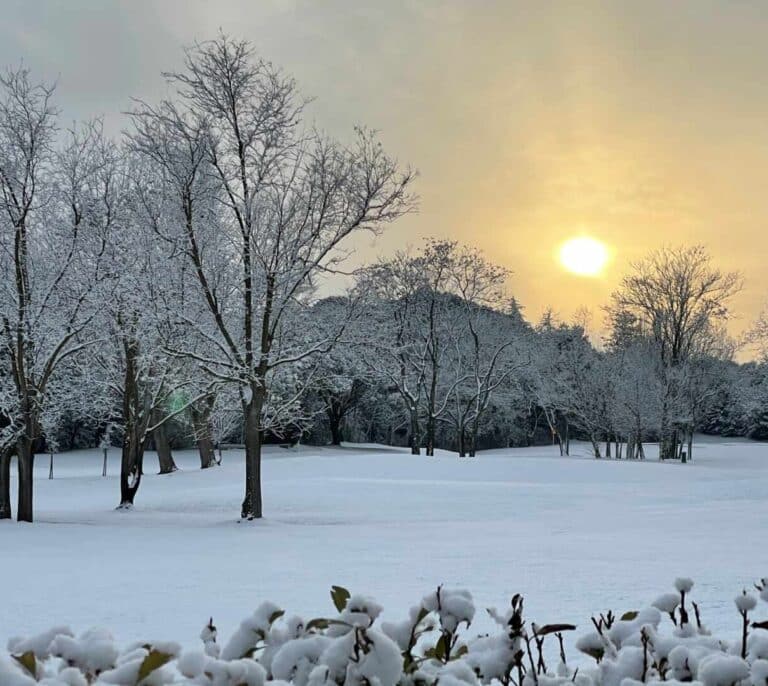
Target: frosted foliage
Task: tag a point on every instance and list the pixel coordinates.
(452, 607)
(745, 602)
(665, 643)
(667, 602)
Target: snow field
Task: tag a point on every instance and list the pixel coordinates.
(574, 535)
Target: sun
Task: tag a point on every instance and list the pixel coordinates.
(584, 256)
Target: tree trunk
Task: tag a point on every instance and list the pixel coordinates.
(5, 484)
(462, 442)
(415, 433)
(431, 405)
(552, 423)
(336, 434)
(207, 451)
(131, 470)
(163, 448)
(25, 451)
(473, 432)
(608, 446)
(252, 504)
(50, 467)
(430, 435)
(595, 447)
(335, 420)
(664, 426)
(201, 424)
(665, 449)
(690, 446)
(134, 436)
(668, 447)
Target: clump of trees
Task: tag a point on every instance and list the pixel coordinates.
(676, 301)
(162, 289)
(181, 260)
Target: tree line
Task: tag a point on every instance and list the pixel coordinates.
(163, 287)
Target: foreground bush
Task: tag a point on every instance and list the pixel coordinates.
(431, 646)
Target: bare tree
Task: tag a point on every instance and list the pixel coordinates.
(679, 298)
(396, 351)
(412, 332)
(285, 200)
(435, 264)
(487, 343)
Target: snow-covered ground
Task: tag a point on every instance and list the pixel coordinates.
(574, 535)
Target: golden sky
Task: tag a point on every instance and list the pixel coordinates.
(640, 123)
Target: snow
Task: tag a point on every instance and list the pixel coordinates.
(722, 670)
(667, 602)
(745, 602)
(576, 536)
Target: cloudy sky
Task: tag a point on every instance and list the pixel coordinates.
(640, 123)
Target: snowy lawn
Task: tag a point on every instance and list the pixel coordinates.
(574, 535)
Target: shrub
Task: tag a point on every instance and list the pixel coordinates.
(431, 646)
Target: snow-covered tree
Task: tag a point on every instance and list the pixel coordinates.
(570, 383)
(409, 324)
(545, 377)
(340, 376)
(635, 410)
(488, 344)
(56, 220)
(286, 201)
(679, 300)
(148, 384)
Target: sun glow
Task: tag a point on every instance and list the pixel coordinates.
(584, 256)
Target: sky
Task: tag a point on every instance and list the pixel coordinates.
(641, 124)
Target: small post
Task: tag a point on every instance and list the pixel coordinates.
(104, 468)
(50, 467)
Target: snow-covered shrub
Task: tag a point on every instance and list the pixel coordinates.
(432, 646)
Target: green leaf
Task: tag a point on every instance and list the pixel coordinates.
(27, 661)
(317, 623)
(441, 648)
(594, 652)
(153, 661)
(339, 596)
(629, 616)
(275, 616)
(554, 629)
